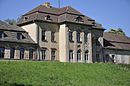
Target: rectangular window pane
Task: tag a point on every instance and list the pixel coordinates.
(97, 58)
(52, 36)
(19, 36)
(43, 35)
(1, 34)
(78, 36)
(30, 53)
(12, 52)
(2, 53)
(71, 55)
(70, 36)
(21, 53)
(43, 54)
(52, 54)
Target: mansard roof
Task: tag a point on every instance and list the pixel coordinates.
(10, 33)
(57, 15)
(5, 26)
(116, 41)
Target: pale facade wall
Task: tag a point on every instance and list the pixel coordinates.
(63, 43)
(32, 31)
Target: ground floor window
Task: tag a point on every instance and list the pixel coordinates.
(12, 52)
(2, 53)
(43, 54)
(107, 58)
(71, 55)
(113, 57)
(86, 56)
(21, 53)
(97, 58)
(53, 52)
(30, 53)
(78, 55)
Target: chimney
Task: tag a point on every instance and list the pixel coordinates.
(47, 4)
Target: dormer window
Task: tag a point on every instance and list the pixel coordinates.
(79, 19)
(2, 34)
(25, 18)
(20, 36)
(48, 17)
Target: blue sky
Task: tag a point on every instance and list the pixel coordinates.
(110, 13)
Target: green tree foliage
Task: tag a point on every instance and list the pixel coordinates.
(117, 31)
(11, 21)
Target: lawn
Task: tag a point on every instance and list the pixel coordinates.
(39, 73)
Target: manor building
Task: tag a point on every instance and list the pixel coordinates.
(66, 35)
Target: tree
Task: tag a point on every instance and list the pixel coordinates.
(11, 21)
(117, 31)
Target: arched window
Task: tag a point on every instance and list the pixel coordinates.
(86, 56)
(70, 55)
(78, 55)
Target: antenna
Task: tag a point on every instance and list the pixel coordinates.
(59, 3)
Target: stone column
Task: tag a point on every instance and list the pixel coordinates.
(26, 54)
(63, 43)
(75, 46)
(17, 54)
(82, 47)
(90, 47)
(7, 53)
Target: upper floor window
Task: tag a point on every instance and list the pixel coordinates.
(1, 34)
(52, 36)
(70, 36)
(85, 37)
(48, 17)
(78, 19)
(20, 36)
(43, 35)
(78, 37)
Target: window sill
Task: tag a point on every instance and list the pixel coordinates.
(44, 41)
(53, 41)
(71, 41)
(79, 42)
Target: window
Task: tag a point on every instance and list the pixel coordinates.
(21, 53)
(43, 54)
(78, 55)
(31, 53)
(43, 35)
(53, 54)
(71, 55)
(1, 34)
(70, 36)
(52, 36)
(2, 52)
(78, 36)
(85, 37)
(113, 57)
(19, 36)
(48, 17)
(97, 58)
(86, 56)
(12, 52)
(79, 19)
(107, 58)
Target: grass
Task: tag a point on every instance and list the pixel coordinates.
(35, 73)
